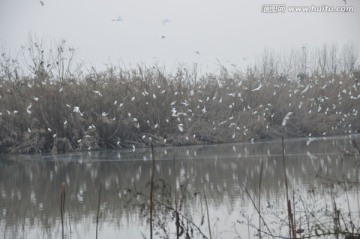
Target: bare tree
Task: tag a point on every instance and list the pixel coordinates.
(268, 64)
(349, 57)
(304, 59)
(53, 62)
(333, 59)
(322, 55)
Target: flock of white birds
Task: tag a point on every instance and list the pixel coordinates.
(222, 107)
(232, 107)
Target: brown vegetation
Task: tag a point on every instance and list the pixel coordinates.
(55, 108)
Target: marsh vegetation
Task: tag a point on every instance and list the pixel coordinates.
(51, 104)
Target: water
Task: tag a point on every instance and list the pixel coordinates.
(221, 180)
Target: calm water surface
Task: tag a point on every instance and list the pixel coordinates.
(225, 179)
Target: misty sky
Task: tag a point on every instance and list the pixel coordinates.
(224, 32)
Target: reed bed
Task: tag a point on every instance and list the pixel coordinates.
(53, 109)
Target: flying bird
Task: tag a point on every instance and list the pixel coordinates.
(162, 37)
(165, 21)
(118, 19)
(42, 3)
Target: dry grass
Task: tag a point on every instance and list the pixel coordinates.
(134, 108)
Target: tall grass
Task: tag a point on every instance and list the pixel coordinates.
(50, 109)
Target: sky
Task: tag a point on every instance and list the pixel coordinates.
(206, 32)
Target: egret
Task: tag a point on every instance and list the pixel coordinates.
(165, 21)
(118, 19)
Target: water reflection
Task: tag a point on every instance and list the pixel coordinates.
(30, 185)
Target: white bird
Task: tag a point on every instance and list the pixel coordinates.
(28, 109)
(104, 114)
(118, 19)
(287, 116)
(257, 88)
(97, 92)
(180, 127)
(232, 124)
(300, 104)
(174, 112)
(165, 21)
(77, 110)
(306, 89)
(185, 103)
(204, 110)
(308, 142)
(36, 98)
